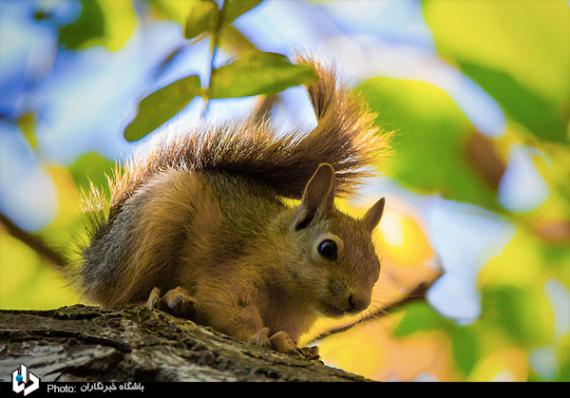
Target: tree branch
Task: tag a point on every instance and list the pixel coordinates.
(417, 294)
(33, 242)
(131, 343)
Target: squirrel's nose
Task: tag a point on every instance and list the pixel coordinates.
(356, 304)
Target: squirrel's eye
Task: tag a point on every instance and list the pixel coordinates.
(327, 248)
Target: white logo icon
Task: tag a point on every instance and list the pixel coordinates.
(20, 378)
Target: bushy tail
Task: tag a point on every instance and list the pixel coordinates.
(345, 137)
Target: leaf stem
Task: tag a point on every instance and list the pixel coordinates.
(214, 44)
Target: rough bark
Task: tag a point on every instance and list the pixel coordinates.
(131, 343)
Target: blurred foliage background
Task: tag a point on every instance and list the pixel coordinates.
(475, 238)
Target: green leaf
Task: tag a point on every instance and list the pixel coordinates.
(563, 354)
(235, 42)
(89, 26)
(541, 116)
(15, 253)
(173, 10)
(91, 166)
(158, 107)
(101, 22)
(236, 8)
(27, 124)
(434, 143)
(258, 73)
(419, 317)
(120, 23)
(201, 18)
(518, 54)
(29, 281)
(519, 313)
(465, 347)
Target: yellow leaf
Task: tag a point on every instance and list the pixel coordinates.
(120, 22)
(507, 364)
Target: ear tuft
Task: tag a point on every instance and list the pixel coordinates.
(374, 214)
(318, 197)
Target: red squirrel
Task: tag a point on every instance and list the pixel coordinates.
(198, 227)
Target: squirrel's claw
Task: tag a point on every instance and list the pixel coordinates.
(261, 338)
(177, 302)
(282, 342)
(153, 299)
(311, 353)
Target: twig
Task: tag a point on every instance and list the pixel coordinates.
(32, 242)
(417, 294)
(216, 34)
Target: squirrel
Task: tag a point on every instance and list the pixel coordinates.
(201, 225)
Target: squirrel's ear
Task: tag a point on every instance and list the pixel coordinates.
(374, 214)
(318, 197)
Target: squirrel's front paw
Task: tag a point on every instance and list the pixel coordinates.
(310, 352)
(177, 302)
(261, 338)
(153, 299)
(282, 342)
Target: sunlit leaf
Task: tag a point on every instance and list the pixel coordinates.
(368, 349)
(519, 313)
(401, 240)
(66, 229)
(101, 22)
(527, 261)
(28, 282)
(465, 348)
(68, 208)
(541, 116)
(431, 134)
(158, 107)
(120, 23)
(555, 259)
(49, 290)
(356, 350)
(419, 317)
(563, 354)
(554, 167)
(91, 166)
(236, 41)
(507, 363)
(201, 18)
(258, 73)
(18, 264)
(173, 10)
(518, 54)
(236, 8)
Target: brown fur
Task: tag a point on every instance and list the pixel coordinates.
(203, 212)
